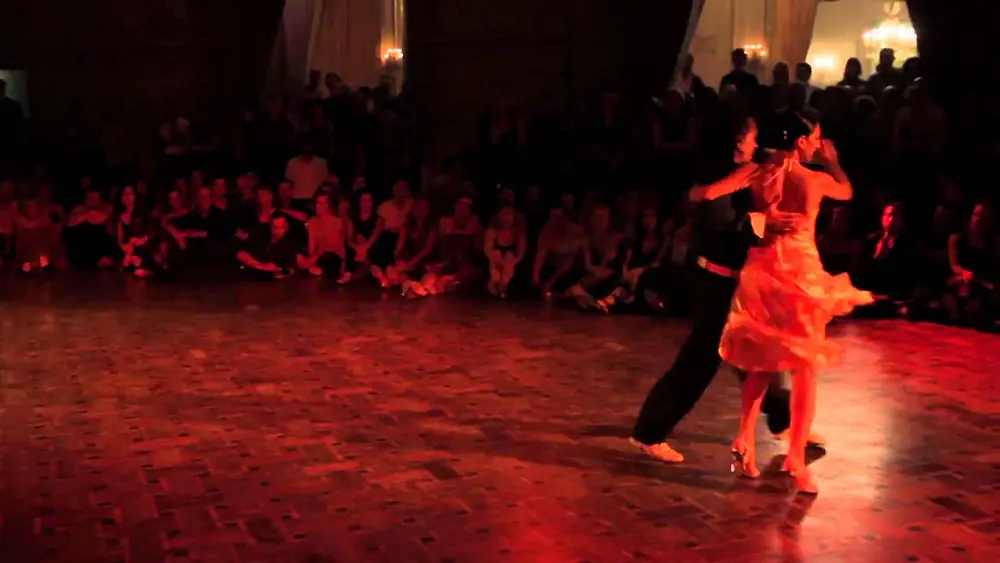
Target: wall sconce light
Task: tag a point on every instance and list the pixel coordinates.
(755, 51)
(392, 57)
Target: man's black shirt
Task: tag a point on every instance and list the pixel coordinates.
(281, 253)
(721, 229)
(744, 82)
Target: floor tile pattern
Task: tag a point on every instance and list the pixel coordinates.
(306, 423)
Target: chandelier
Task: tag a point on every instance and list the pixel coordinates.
(892, 32)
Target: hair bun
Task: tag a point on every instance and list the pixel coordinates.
(782, 130)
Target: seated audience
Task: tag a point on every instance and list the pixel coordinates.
(971, 297)
(559, 257)
(603, 259)
(371, 254)
(837, 245)
(8, 216)
(418, 242)
(505, 245)
(138, 247)
(394, 214)
(642, 266)
(295, 210)
(326, 251)
(935, 268)
(271, 256)
(37, 238)
(256, 222)
(87, 237)
(460, 236)
(885, 264)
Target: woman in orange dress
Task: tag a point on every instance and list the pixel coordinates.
(785, 299)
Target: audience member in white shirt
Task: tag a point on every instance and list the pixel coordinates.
(395, 211)
(306, 171)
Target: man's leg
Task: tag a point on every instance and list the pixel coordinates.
(679, 389)
(775, 406)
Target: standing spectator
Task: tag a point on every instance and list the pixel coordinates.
(306, 172)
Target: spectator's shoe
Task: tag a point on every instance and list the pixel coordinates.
(661, 451)
(415, 289)
(815, 439)
(344, 278)
(316, 271)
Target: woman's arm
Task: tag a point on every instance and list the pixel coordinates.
(835, 183)
(588, 259)
(954, 258)
(426, 250)
(312, 242)
(489, 240)
(540, 255)
(77, 216)
(404, 234)
(120, 235)
(249, 261)
(379, 227)
(349, 235)
(299, 216)
(736, 180)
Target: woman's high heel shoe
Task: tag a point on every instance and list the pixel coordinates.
(743, 462)
(800, 478)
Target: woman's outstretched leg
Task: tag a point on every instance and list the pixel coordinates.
(803, 407)
(744, 448)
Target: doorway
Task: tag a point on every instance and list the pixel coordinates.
(17, 87)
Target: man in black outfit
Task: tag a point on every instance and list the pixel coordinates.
(723, 232)
(744, 82)
(274, 257)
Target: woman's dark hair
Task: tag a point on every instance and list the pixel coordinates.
(782, 130)
(721, 133)
(356, 204)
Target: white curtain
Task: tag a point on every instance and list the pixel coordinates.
(696, 8)
(347, 40)
(792, 30)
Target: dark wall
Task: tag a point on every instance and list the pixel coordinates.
(956, 47)
(464, 55)
(129, 59)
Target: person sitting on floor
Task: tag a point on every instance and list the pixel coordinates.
(558, 260)
(885, 264)
(271, 257)
(603, 260)
(459, 238)
(326, 253)
(37, 238)
(418, 241)
(972, 294)
(504, 246)
(88, 240)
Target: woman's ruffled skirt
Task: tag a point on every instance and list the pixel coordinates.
(781, 308)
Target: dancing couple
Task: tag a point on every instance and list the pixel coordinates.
(760, 297)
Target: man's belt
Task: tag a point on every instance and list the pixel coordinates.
(717, 269)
